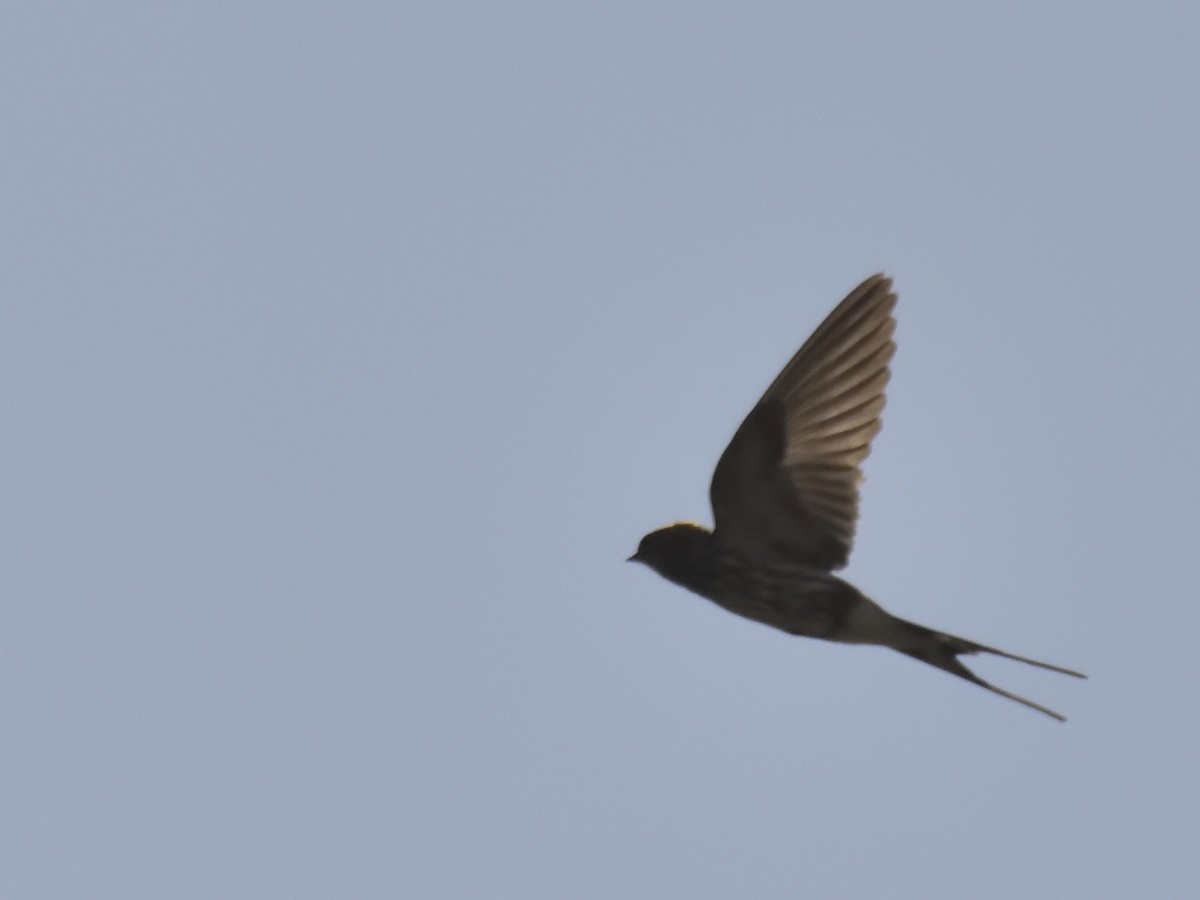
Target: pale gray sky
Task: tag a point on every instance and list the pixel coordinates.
(350, 348)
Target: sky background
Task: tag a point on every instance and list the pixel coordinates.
(348, 349)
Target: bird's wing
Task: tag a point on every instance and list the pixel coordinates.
(789, 478)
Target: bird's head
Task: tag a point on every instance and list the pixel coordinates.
(666, 548)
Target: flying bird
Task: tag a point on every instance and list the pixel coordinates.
(785, 501)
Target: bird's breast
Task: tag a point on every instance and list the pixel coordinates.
(783, 594)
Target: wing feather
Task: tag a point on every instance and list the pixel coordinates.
(788, 481)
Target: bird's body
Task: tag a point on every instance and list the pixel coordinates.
(785, 499)
(783, 593)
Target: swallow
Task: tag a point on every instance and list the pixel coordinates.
(785, 497)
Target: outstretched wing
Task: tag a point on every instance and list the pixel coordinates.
(789, 478)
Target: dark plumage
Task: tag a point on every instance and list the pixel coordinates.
(785, 500)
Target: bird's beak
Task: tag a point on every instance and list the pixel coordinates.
(634, 558)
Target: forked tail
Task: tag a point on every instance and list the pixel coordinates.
(943, 650)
